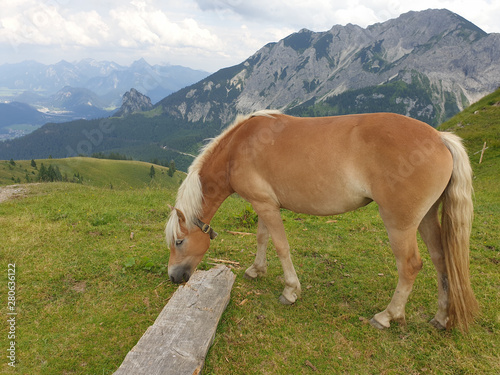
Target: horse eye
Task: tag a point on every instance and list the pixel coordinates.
(179, 242)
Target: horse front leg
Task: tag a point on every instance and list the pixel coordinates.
(271, 218)
(259, 266)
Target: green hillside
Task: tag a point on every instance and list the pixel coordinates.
(478, 124)
(94, 172)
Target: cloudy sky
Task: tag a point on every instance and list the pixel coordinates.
(201, 34)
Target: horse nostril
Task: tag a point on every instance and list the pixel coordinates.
(179, 275)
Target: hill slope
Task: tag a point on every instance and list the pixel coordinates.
(478, 124)
(94, 172)
(19, 113)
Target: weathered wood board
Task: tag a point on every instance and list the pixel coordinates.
(179, 339)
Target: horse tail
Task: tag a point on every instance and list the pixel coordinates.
(456, 223)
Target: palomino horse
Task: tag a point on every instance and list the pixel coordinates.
(408, 168)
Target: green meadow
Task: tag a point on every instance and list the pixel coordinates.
(95, 172)
(90, 276)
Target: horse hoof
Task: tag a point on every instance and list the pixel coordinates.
(285, 301)
(437, 325)
(252, 273)
(376, 324)
(247, 276)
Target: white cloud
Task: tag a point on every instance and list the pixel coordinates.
(207, 34)
(149, 26)
(319, 15)
(43, 24)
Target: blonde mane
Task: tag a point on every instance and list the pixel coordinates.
(190, 195)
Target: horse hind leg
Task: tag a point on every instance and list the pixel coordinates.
(430, 231)
(409, 263)
(259, 266)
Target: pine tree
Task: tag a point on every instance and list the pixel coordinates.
(171, 168)
(152, 172)
(42, 174)
(51, 173)
(57, 173)
(33, 163)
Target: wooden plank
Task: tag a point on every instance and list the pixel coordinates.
(179, 339)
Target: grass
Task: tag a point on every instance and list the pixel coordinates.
(86, 291)
(348, 274)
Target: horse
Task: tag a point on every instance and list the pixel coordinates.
(405, 166)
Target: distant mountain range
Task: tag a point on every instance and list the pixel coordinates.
(82, 90)
(428, 65)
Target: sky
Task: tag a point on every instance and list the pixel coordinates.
(201, 34)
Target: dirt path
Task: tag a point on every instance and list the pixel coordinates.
(11, 191)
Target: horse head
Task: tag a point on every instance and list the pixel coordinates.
(188, 242)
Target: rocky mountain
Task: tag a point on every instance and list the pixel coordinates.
(82, 102)
(428, 65)
(134, 101)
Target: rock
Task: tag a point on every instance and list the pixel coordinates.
(133, 101)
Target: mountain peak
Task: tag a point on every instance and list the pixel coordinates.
(435, 51)
(140, 63)
(134, 101)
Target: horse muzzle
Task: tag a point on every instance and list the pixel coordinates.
(179, 273)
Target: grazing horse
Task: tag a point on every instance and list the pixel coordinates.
(408, 168)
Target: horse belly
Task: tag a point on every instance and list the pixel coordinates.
(322, 196)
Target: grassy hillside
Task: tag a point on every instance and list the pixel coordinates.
(86, 289)
(478, 124)
(95, 172)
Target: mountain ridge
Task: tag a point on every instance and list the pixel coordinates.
(101, 77)
(457, 58)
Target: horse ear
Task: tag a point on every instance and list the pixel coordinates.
(180, 215)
